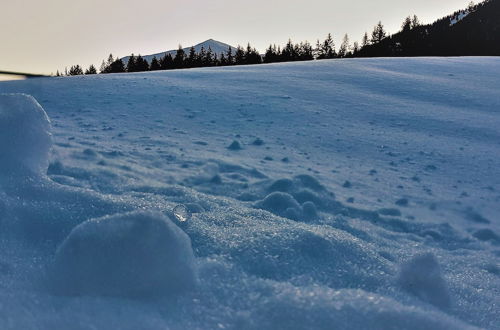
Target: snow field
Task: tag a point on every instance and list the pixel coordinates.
(339, 227)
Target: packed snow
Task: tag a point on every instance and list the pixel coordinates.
(336, 194)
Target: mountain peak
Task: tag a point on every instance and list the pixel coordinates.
(216, 46)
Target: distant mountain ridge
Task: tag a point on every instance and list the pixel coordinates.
(474, 31)
(217, 48)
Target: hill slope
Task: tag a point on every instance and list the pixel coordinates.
(345, 194)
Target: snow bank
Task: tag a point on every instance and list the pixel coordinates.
(25, 135)
(132, 254)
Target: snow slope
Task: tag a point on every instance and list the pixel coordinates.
(337, 194)
(217, 48)
(460, 16)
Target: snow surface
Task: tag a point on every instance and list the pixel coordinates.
(460, 16)
(364, 193)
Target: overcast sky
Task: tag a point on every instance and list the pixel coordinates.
(46, 35)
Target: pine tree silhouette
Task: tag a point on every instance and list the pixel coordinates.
(155, 65)
(117, 66)
(355, 48)
(209, 57)
(167, 62)
(345, 47)
(75, 70)
(406, 25)
(305, 51)
(222, 60)
(132, 64)
(90, 70)
(230, 57)
(365, 41)
(239, 56)
(378, 33)
(179, 58)
(252, 56)
(141, 64)
(327, 48)
(191, 60)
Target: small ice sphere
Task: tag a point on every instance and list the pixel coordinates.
(181, 213)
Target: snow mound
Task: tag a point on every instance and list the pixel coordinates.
(134, 254)
(298, 198)
(25, 135)
(279, 203)
(421, 276)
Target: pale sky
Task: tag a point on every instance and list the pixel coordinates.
(41, 36)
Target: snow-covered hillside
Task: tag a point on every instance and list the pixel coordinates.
(460, 16)
(337, 194)
(217, 48)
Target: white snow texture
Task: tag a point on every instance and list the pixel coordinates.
(357, 194)
(25, 137)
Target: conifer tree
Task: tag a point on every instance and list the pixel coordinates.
(230, 57)
(305, 51)
(365, 41)
(271, 54)
(90, 70)
(192, 58)
(201, 57)
(327, 48)
(252, 56)
(110, 59)
(141, 64)
(344, 47)
(209, 57)
(355, 48)
(222, 61)
(117, 66)
(103, 67)
(296, 52)
(378, 33)
(132, 64)
(289, 52)
(75, 70)
(317, 50)
(179, 58)
(155, 65)
(239, 56)
(415, 22)
(167, 62)
(106, 65)
(279, 54)
(407, 24)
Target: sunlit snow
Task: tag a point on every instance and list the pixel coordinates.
(336, 194)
